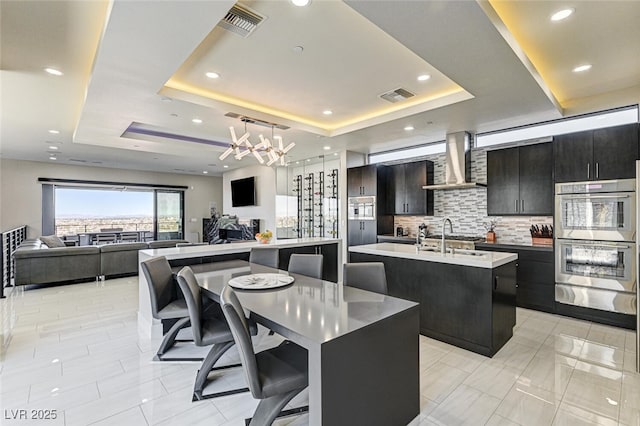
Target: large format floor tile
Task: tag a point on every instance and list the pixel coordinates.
(76, 349)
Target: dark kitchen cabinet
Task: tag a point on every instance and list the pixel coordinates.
(520, 181)
(362, 181)
(372, 180)
(600, 154)
(362, 232)
(535, 275)
(408, 180)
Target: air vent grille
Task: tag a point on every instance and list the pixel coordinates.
(256, 121)
(397, 95)
(241, 20)
(77, 160)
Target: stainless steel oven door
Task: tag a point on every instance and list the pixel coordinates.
(597, 264)
(608, 217)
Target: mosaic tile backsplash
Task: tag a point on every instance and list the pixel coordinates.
(467, 208)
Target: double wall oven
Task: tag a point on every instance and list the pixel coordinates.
(595, 234)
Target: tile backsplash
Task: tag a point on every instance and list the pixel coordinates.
(467, 208)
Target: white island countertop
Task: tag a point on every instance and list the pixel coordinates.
(243, 247)
(473, 258)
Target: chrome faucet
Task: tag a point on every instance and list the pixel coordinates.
(444, 222)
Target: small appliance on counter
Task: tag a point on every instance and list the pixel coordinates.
(399, 231)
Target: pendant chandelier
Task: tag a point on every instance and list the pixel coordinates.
(273, 154)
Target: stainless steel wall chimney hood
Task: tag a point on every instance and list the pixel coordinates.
(457, 167)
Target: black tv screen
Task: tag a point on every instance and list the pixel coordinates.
(243, 192)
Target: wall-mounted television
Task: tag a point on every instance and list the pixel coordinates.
(243, 192)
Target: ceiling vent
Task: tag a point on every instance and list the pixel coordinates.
(77, 160)
(241, 20)
(256, 121)
(397, 95)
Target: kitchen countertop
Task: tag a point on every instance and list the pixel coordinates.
(507, 244)
(218, 249)
(487, 260)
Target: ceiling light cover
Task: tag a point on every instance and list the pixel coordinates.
(197, 121)
(212, 74)
(54, 71)
(327, 112)
(54, 132)
(409, 128)
(326, 148)
(301, 3)
(424, 77)
(562, 14)
(582, 68)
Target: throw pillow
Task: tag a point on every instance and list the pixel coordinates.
(52, 241)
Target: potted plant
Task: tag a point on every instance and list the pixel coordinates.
(491, 233)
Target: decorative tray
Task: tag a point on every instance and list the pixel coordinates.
(260, 281)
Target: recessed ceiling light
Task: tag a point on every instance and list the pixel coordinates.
(297, 162)
(55, 390)
(197, 121)
(53, 147)
(298, 49)
(409, 128)
(212, 74)
(424, 77)
(53, 71)
(205, 172)
(308, 159)
(326, 148)
(52, 157)
(335, 153)
(582, 68)
(561, 14)
(300, 2)
(225, 166)
(54, 132)
(327, 112)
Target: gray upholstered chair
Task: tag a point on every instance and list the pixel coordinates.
(366, 276)
(207, 331)
(306, 264)
(165, 303)
(275, 376)
(266, 256)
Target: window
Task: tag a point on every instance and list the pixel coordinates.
(559, 127)
(80, 210)
(400, 154)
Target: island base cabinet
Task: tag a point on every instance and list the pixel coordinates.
(472, 308)
(329, 254)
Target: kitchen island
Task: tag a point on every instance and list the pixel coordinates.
(467, 298)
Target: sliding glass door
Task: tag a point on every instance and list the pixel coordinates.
(169, 214)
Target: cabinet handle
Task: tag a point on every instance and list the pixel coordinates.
(407, 207)
(522, 205)
(597, 170)
(495, 282)
(588, 170)
(516, 206)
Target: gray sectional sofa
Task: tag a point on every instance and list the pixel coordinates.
(36, 263)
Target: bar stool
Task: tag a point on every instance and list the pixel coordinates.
(266, 256)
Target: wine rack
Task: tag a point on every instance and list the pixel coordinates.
(317, 197)
(10, 241)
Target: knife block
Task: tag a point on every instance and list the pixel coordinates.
(540, 241)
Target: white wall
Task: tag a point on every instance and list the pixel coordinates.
(265, 210)
(21, 194)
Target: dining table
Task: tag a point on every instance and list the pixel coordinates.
(363, 347)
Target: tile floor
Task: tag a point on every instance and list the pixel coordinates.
(76, 349)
